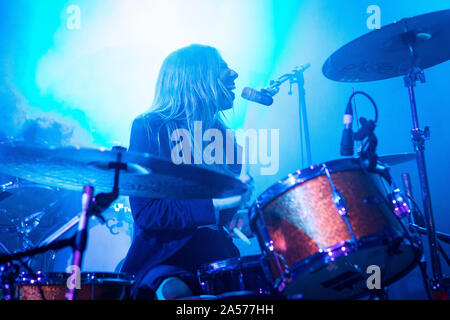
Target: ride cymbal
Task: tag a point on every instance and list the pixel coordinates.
(422, 41)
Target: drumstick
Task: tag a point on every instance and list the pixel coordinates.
(239, 234)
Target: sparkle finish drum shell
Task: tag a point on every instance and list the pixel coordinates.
(312, 251)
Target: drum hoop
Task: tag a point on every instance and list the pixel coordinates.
(332, 253)
(231, 264)
(301, 176)
(58, 278)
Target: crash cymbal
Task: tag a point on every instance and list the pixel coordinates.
(422, 41)
(72, 168)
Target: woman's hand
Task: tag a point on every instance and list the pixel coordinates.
(240, 221)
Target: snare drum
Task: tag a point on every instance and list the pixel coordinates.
(321, 248)
(247, 273)
(94, 286)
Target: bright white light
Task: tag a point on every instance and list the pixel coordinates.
(108, 68)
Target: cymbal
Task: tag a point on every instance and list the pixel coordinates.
(422, 41)
(394, 159)
(147, 176)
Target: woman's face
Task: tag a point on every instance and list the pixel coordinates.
(227, 77)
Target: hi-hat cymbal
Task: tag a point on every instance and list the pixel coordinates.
(146, 176)
(422, 41)
(394, 159)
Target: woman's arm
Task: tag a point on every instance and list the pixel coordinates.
(163, 214)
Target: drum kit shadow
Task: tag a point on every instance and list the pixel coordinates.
(320, 230)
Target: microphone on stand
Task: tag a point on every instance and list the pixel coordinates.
(262, 97)
(347, 141)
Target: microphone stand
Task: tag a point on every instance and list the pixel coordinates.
(299, 79)
(296, 77)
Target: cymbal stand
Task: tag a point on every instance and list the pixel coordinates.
(93, 206)
(419, 137)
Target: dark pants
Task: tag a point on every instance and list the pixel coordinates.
(206, 246)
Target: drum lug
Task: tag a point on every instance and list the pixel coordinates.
(399, 204)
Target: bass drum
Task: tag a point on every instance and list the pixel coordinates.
(318, 253)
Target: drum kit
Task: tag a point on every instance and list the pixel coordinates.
(319, 230)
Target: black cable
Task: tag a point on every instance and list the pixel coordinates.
(30, 271)
(370, 99)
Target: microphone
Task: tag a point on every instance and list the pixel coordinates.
(347, 141)
(303, 67)
(262, 97)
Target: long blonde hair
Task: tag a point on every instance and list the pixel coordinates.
(189, 89)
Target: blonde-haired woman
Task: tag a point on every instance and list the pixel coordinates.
(171, 241)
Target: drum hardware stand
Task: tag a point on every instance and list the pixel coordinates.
(418, 138)
(416, 237)
(367, 130)
(296, 77)
(418, 230)
(92, 206)
(440, 235)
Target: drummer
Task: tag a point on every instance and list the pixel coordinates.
(173, 238)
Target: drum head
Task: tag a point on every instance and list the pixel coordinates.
(24, 199)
